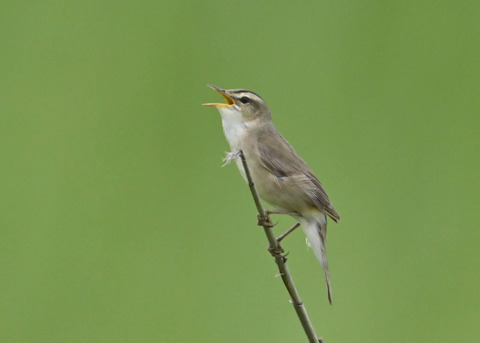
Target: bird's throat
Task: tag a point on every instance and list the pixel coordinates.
(234, 129)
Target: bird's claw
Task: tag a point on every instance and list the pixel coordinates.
(264, 221)
(278, 252)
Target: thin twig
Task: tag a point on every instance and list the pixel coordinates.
(276, 250)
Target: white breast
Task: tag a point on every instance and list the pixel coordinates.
(233, 126)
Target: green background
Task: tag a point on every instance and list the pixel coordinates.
(117, 223)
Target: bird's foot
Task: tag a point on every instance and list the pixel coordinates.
(264, 221)
(278, 252)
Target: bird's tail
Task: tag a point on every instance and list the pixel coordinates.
(315, 229)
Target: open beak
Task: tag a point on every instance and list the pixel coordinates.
(229, 100)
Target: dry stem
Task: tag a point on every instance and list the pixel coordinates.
(276, 251)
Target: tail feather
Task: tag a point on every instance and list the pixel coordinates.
(316, 231)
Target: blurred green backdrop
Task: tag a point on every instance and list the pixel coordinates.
(118, 224)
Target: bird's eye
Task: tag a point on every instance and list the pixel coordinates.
(244, 100)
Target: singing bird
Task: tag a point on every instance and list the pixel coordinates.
(280, 175)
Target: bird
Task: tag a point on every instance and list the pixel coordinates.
(281, 176)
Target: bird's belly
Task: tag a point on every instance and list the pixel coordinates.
(281, 192)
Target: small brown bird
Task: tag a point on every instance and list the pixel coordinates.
(282, 178)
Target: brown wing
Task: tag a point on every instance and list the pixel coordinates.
(321, 199)
(278, 156)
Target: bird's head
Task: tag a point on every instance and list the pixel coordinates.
(241, 105)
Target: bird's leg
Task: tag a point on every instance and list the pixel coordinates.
(290, 213)
(278, 252)
(266, 221)
(286, 233)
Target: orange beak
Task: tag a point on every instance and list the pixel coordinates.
(229, 100)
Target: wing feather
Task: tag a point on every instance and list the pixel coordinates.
(279, 157)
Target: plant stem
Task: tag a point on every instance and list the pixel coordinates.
(275, 249)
